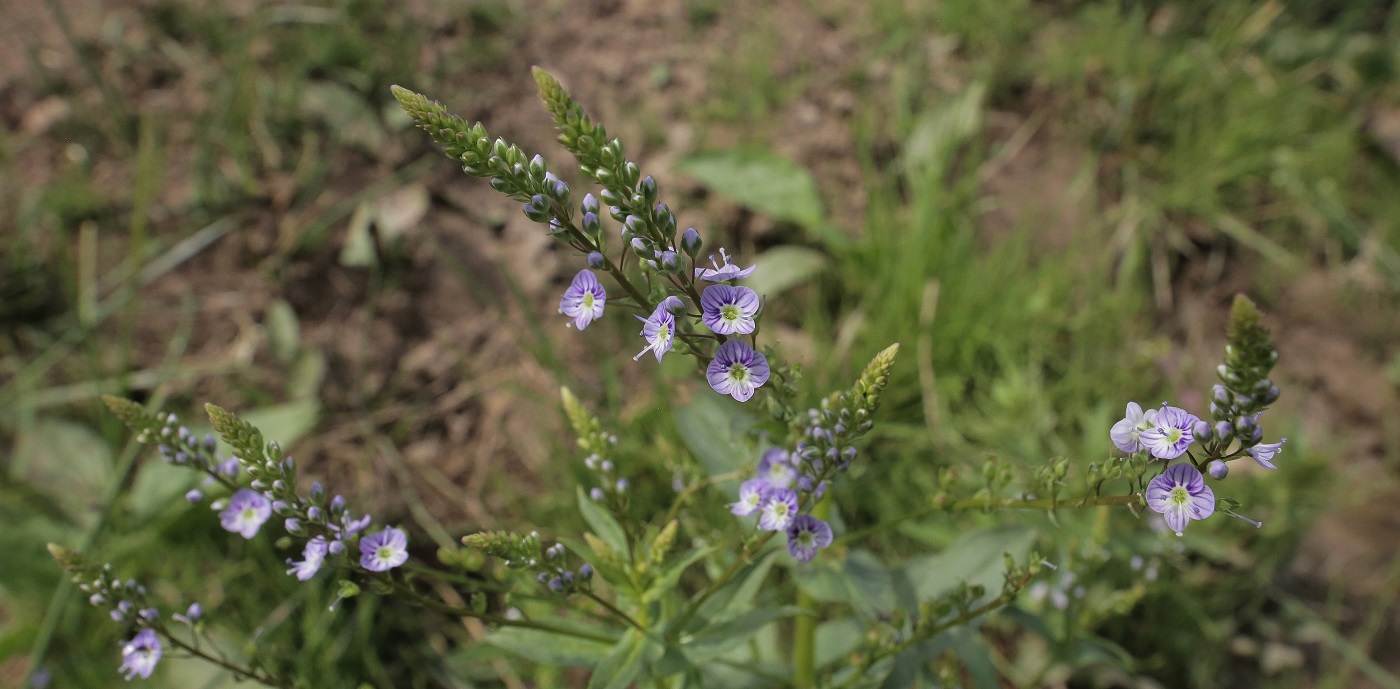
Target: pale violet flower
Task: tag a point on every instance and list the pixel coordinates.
(1126, 432)
(1171, 434)
(1264, 453)
(385, 550)
(247, 511)
(140, 655)
(1180, 494)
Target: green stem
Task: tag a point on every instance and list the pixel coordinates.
(239, 672)
(804, 630)
(614, 610)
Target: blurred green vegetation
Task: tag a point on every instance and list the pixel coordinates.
(1230, 134)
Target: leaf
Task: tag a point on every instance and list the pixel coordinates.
(716, 432)
(716, 638)
(837, 638)
(761, 180)
(549, 648)
(623, 663)
(929, 150)
(602, 523)
(67, 460)
(283, 331)
(736, 594)
(860, 581)
(667, 581)
(784, 267)
(156, 488)
(976, 558)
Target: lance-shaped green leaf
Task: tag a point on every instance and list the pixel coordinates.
(626, 662)
(714, 640)
(602, 523)
(549, 648)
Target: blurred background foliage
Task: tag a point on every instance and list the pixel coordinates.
(1049, 204)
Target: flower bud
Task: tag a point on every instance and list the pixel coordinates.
(590, 204)
(318, 493)
(585, 572)
(591, 224)
(691, 242)
(194, 495)
(1218, 469)
(293, 526)
(1201, 431)
(596, 493)
(1225, 431)
(1220, 395)
(556, 585)
(622, 485)
(595, 259)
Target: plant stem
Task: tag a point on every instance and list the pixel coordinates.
(804, 630)
(615, 611)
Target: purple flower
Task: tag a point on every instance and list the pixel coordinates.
(246, 512)
(720, 273)
(659, 331)
(385, 550)
(729, 310)
(776, 468)
(737, 370)
(584, 299)
(1171, 434)
(312, 557)
(806, 535)
(1180, 494)
(1264, 454)
(751, 495)
(140, 654)
(1126, 432)
(779, 507)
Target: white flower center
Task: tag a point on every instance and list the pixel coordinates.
(729, 312)
(384, 552)
(738, 372)
(587, 300)
(1179, 495)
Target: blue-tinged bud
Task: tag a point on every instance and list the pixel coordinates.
(668, 260)
(591, 224)
(210, 442)
(336, 547)
(1225, 431)
(556, 585)
(1256, 436)
(1218, 469)
(595, 259)
(194, 495)
(635, 224)
(1269, 396)
(618, 213)
(590, 204)
(610, 197)
(542, 577)
(281, 508)
(568, 578)
(1220, 395)
(97, 599)
(289, 466)
(585, 572)
(604, 177)
(596, 493)
(607, 465)
(691, 243)
(313, 513)
(500, 185)
(194, 612)
(632, 175)
(1201, 431)
(1245, 425)
(279, 485)
(318, 493)
(639, 246)
(293, 526)
(337, 505)
(537, 166)
(622, 485)
(537, 209)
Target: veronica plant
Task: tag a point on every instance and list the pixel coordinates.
(675, 598)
